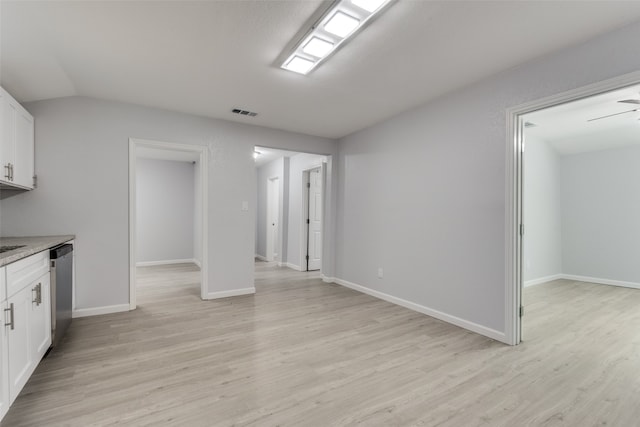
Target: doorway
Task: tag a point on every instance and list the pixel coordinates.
(312, 219)
(283, 181)
(194, 155)
(515, 232)
(273, 214)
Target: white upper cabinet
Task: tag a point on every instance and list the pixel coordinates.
(16, 143)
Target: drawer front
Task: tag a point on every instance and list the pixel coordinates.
(24, 272)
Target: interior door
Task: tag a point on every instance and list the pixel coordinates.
(315, 220)
(273, 212)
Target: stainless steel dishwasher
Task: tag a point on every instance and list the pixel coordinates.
(61, 290)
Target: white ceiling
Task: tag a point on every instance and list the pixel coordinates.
(207, 57)
(567, 129)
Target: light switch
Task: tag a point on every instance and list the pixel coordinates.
(245, 206)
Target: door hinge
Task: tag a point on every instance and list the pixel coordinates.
(35, 181)
(307, 257)
(308, 221)
(521, 310)
(522, 229)
(308, 185)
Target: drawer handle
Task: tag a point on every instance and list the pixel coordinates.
(10, 310)
(8, 168)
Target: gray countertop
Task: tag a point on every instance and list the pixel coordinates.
(32, 245)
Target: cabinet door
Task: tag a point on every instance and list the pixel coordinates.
(40, 318)
(21, 363)
(4, 364)
(4, 368)
(9, 113)
(24, 146)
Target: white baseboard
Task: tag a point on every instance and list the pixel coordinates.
(542, 280)
(231, 293)
(97, 311)
(292, 266)
(473, 327)
(576, 278)
(166, 262)
(601, 281)
(261, 258)
(327, 279)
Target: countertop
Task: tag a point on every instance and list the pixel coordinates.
(32, 245)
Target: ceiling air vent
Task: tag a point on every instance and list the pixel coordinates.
(244, 112)
(529, 125)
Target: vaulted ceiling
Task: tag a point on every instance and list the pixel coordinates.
(207, 57)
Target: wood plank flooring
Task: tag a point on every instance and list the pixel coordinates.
(304, 353)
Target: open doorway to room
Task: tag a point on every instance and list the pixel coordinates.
(580, 204)
(167, 213)
(311, 247)
(291, 188)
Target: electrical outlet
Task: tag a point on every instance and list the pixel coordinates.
(380, 273)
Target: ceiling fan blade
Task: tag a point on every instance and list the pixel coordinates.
(611, 115)
(630, 101)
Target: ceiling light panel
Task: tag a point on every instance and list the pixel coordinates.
(339, 23)
(369, 5)
(318, 47)
(299, 65)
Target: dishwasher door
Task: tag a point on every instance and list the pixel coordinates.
(61, 290)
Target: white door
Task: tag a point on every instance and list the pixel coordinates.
(4, 364)
(7, 137)
(273, 212)
(21, 362)
(24, 146)
(40, 322)
(315, 220)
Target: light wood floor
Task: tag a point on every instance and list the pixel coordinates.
(304, 353)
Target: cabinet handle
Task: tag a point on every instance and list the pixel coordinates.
(10, 310)
(38, 291)
(8, 168)
(11, 172)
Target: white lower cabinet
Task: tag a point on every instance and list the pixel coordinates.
(21, 357)
(4, 354)
(40, 321)
(26, 335)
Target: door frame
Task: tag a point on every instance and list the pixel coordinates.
(514, 190)
(304, 238)
(273, 184)
(202, 153)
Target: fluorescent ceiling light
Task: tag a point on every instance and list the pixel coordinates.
(299, 65)
(333, 28)
(317, 47)
(369, 5)
(341, 24)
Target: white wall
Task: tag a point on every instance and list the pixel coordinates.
(601, 214)
(542, 211)
(197, 215)
(423, 194)
(82, 164)
(165, 210)
(298, 164)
